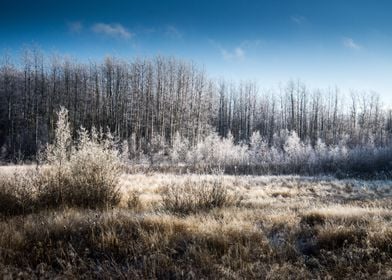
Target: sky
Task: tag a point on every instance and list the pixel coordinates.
(324, 43)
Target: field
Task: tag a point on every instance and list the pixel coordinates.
(212, 227)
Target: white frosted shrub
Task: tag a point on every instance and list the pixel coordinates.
(231, 154)
(294, 149)
(95, 167)
(214, 151)
(178, 153)
(259, 152)
(87, 175)
(204, 153)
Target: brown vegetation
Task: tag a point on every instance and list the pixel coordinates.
(192, 197)
(171, 226)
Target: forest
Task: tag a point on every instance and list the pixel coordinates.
(164, 110)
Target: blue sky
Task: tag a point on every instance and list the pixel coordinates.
(344, 43)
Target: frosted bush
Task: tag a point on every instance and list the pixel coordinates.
(214, 151)
(258, 150)
(85, 174)
(179, 151)
(294, 149)
(204, 153)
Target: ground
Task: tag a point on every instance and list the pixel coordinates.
(276, 227)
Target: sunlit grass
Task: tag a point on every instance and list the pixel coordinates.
(282, 227)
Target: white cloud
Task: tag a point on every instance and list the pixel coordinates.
(75, 26)
(172, 31)
(239, 53)
(350, 44)
(298, 19)
(236, 54)
(112, 30)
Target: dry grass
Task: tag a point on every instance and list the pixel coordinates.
(196, 196)
(194, 226)
(16, 193)
(30, 190)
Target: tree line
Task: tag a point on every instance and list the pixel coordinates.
(152, 102)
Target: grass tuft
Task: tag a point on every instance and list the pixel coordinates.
(196, 196)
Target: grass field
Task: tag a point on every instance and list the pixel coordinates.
(212, 227)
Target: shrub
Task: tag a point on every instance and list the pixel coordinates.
(95, 168)
(85, 174)
(192, 197)
(216, 152)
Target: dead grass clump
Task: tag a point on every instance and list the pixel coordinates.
(195, 196)
(382, 240)
(344, 215)
(283, 194)
(133, 201)
(313, 219)
(333, 237)
(280, 271)
(16, 194)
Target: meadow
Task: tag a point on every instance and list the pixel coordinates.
(190, 226)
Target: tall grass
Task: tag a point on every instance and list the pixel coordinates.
(196, 196)
(312, 233)
(17, 193)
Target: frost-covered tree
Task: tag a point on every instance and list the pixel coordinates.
(60, 150)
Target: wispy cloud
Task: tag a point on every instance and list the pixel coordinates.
(112, 30)
(237, 54)
(75, 26)
(297, 19)
(172, 31)
(350, 43)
